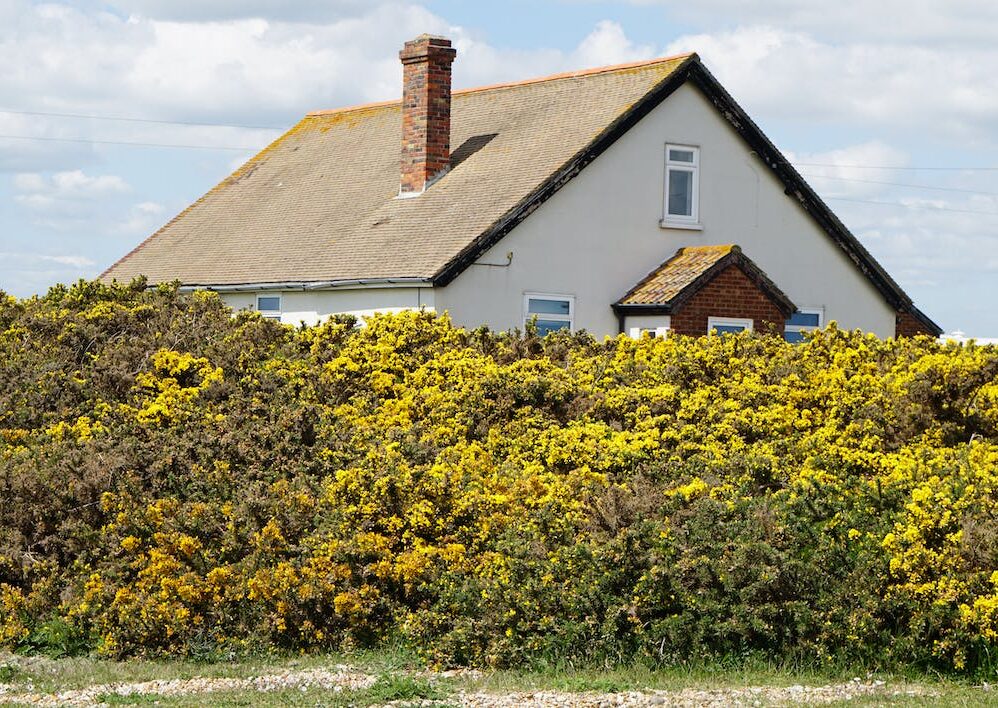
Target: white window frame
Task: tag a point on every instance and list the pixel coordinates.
(743, 322)
(819, 311)
(528, 315)
(269, 314)
(689, 221)
(639, 332)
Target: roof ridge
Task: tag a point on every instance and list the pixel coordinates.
(578, 73)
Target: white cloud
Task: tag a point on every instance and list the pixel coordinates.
(38, 271)
(40, 192)
(80, 262)
(254, 64)
(955, 23)
(200, 10)
(608, 44)
(142, 219)
(847, 171)
(39, 150)
(909, 89)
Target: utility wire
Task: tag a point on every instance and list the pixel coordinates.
(138, 120)
(921, 207)
(900, 184)
(121, 142)
(892, 167)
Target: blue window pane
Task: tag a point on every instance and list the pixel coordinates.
(794, 337)
(805, 319)
(681, 155)
(546, 326)
(728, 329)
(539, 306)
(268, 303)
(680, 193)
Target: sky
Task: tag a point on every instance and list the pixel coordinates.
(888, 107)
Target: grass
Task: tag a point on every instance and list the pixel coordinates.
(49, 675)
(401, 679)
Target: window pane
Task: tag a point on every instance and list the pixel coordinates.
(537, 306)
(545, 326)
(794, 337)
(680, 193)
(804, 319)
(728, 329)
(268, 302)
(681, 155)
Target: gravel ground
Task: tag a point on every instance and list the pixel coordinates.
(336, 679)
(748, 696)
(339, 678)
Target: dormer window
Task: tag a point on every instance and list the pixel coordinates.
(682, 186)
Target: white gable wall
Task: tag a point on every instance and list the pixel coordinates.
(600, 234)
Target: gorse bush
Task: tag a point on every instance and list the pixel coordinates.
(176, 480)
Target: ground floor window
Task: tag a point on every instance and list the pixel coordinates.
(269, 306)
(552, 312)
(728, 325)
(639, 332)
(802, 321)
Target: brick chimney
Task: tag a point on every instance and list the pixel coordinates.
(426, 64)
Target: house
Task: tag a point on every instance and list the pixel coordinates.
(628, 198)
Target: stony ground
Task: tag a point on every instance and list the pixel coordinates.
(337, 683)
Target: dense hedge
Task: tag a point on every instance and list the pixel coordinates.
(177, 480)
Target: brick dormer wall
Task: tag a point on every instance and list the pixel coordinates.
(907, 325)
(731, 293)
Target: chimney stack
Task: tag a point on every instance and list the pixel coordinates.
(426, 64)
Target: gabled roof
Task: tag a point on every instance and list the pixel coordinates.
(317, 207)
(319, 204)
(669, 286)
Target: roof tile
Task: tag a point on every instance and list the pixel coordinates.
(319, 204)
(667, 281)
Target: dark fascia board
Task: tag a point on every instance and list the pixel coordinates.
(798, 189)
(566, 173)
(734, 258)
(794, 184)
(924, 319)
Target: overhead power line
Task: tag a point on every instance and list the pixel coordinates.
(901, 184)
(895, 167)
(920, 207)
(129, 119)
(133, 144)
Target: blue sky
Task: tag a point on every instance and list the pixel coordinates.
(890, 108)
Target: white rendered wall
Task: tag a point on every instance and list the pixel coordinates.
(636, 323)
(600, 233)
(313, 306)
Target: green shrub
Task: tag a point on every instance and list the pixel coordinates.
(178, 480)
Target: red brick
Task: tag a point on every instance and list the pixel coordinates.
(729, 294)
(907, 325)
(426, 102)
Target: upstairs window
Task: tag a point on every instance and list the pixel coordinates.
(269, 306)
(552, 311)
(682, 184)
(728, 325)
(802, 321)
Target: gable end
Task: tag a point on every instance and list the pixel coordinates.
(566, 173)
